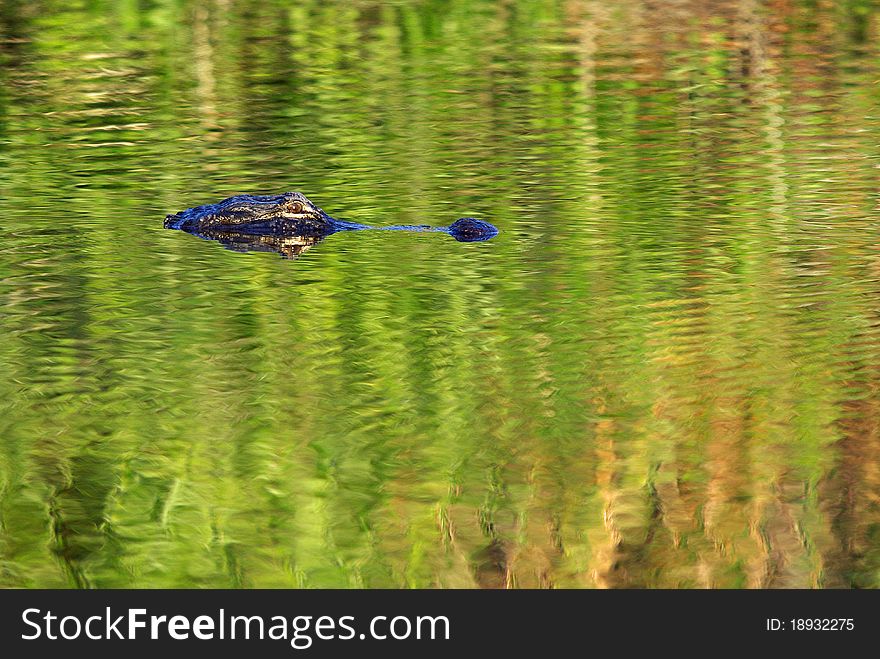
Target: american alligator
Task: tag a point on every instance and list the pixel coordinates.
(289, 223)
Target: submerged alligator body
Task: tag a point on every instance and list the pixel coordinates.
(289, 223)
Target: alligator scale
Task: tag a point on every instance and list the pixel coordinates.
(289, 223)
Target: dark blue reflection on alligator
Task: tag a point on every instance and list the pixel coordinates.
(288, 223)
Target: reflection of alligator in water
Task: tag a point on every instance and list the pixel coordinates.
(289, 223)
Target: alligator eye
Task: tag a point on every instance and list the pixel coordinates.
(296, 207)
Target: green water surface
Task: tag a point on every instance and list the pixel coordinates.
(664, 372)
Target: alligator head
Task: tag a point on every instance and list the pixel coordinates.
(267, 214)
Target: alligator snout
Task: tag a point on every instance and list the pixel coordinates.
(176, 221)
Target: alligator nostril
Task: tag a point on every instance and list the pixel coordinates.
(173, 221)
